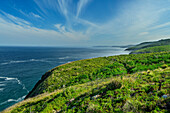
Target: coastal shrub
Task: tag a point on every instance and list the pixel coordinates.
(124, 83)
(114, 85)
(132, 106)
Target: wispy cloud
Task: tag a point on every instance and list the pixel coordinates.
(63, 7)
(161, 26)
(134, 22)
(35, 15)
(31, 15)
(14, 19)
(81, 4)
(22, 30)
(60, 28)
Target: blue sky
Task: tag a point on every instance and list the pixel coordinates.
(83, 22)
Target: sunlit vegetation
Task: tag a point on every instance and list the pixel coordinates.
(83, 71)
(124, 83)
(143, 91)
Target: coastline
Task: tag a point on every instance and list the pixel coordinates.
(48, 73)
(102, 54)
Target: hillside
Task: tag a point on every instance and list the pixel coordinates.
(152, 49)
(123, 83)
(149, 44)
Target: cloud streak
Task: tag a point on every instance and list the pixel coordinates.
(14, 19)
(63, 7)
(81, 4)
(19, 29)
(134, 22)
(161, 26)
(30, 15)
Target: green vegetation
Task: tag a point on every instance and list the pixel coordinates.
(149, 44)
(152, 49)
(124, 83)
(83, 71)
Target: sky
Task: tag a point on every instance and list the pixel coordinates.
(83, 22)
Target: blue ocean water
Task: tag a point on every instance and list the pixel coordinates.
(22, 67)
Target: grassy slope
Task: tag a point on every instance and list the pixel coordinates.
(152, 49)
(138, 92)
(150, 44)
(103, 84)
(98, 68)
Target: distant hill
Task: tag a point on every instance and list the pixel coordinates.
(126, 46)
(149, 44)
(152, 49)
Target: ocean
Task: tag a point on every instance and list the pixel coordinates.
(22, 67)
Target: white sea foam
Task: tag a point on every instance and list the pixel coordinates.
(10, 78)
(16, 79)
(62, 62)
(1, 89)
(23, 86)
(23, 61)
(13, 100)
(64, 57)
(69, 61)
(2, 84)
(60, 58)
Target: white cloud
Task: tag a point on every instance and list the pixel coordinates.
(11, 30)
(60, 28)
(14, 19)
(31, 15)
(63, 7)
(133, 22)
(160, 26)
(35, 15)
(81, 4)
(57, 26)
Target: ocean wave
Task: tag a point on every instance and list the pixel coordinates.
(8, 78)
(64, 57)
(65, 62)
(16, 79)
(23, 61)
(1, 89)
(13, 100)
(2, 85)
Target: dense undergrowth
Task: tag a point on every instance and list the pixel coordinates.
(98, 68)
(124, 83)
(144, 91)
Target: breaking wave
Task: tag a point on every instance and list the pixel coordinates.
(2, 84)
(64, 57)
(1, 89)
(23, 61)
(16, 79)
(13, 100)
